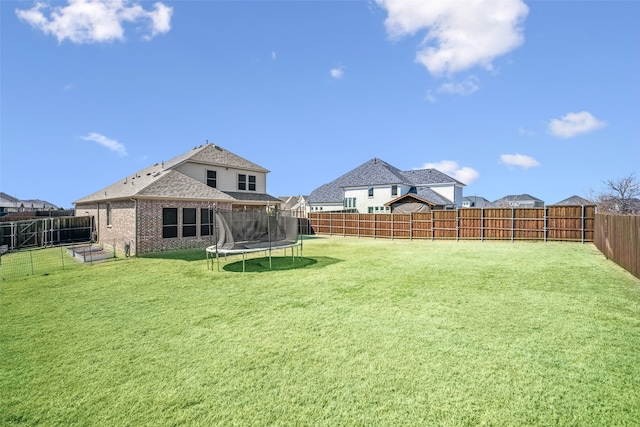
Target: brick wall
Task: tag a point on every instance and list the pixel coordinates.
(150, 226)
(122, 227)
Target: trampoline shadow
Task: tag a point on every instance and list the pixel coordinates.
(284, 263)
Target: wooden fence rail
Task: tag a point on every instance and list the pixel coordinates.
(618, 238)
(558, 223)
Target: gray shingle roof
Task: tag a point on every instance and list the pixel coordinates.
(429, 176)
(253, 197)
(428, 194)
(379, 172)
(518, 198)
(160, 180)
(574, 201)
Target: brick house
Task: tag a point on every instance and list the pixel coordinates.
(169, 205)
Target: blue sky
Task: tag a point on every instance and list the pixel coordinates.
(509, 97)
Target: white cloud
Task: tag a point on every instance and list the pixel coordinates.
(96, 21)
(460, 88)
(521, 160)
(525, 132)
(111, 144)
(273, 55)
(574, 124)
(459, 34)
(464, 174)
(338, 72)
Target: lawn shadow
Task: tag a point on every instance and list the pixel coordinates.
(262, 265)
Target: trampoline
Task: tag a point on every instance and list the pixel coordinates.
(245, 232)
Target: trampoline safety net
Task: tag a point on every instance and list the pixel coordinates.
(237, 230)
(242, 232)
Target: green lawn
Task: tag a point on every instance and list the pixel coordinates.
(360, 332)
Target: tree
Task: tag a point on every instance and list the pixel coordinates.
(620, 196)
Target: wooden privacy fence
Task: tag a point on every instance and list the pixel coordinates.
(567, 223)
(618, 238)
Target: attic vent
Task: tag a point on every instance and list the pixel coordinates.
(218, 148)
(148, 173)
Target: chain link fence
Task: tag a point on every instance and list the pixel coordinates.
(42, 261)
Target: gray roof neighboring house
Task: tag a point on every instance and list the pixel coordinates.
(575, 201)
(379, 172)
(476, 201)
(162, 181)
(516, 199)
(10, 202)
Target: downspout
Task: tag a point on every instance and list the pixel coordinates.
(98, 222)
(135, 230)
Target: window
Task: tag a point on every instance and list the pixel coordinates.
(206, 222)
(242, 181)
(212, 178)
(108, 214)
(188, 222)
(349, 202)
(394, 190)
(169, 223)
(370, 191)
(370, 209)
(252, 183)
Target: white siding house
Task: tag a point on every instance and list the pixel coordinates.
(374, 186)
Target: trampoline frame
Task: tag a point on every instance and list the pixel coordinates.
(247, 248)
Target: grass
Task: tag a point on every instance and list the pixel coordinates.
(358, 332)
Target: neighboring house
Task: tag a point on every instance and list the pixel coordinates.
(575, 201)
(475, 202)
(296, 204)
(10, 204)
(378, 187)
(169, 205)
(518, 201)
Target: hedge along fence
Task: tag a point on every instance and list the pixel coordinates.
(618, 238)
(567, 223)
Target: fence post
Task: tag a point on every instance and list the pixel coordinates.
(31, 261)
(330, 224)
(513, 223)
(545, 226)
(375, 228)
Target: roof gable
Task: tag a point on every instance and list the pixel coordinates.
(407, 199)
(214, 155)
